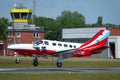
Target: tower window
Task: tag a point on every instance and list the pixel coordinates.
(17, 15)
(35, 34)
(18, 34)
(10, 34)
(23, 15)
(29, 16)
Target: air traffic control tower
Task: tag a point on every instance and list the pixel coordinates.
(21, 17)
(22, 30)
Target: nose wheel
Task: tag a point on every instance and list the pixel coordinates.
(35, 61)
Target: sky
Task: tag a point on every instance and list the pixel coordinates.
(91, 9)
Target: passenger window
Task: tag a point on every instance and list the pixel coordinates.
(59, 44)
(54, 44)
(74, 46)
(38, 42)
(46, 43)
(70, 46)
(65, 45)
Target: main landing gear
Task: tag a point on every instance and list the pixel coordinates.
(35, 61)
(59, 61)
(59, 64)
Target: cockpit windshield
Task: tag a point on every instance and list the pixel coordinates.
(38, 42)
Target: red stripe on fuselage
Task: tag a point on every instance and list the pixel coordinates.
(32, 52)
(93, 38)
(87, 51)
(97, 45)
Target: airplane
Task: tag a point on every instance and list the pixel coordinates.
(62, 50)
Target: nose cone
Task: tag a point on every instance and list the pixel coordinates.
(20, 46)
(11, 47)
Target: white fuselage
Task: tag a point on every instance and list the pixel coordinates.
(44, 46)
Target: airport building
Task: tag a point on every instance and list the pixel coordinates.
(22, 30)
(1, 46)
(81, 35)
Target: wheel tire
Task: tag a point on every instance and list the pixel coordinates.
(17, 61)
(59, 64)
(35, 63)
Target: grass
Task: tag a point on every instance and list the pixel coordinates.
(60, 76)
(26, 62)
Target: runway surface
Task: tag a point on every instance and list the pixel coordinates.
(59, 70)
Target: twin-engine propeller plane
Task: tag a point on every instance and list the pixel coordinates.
(62, 50)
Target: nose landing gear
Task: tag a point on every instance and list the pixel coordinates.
(17, 60)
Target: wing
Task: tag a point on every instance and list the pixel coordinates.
(66, 53)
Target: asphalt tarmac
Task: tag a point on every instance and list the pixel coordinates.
(59, 70)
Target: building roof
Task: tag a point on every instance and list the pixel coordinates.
(38, 29)
(80, 32)
(114, 31)
(68, 33)
(20, 10)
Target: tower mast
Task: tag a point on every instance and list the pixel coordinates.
(33, 15)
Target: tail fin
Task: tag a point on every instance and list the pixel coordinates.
(99, 39)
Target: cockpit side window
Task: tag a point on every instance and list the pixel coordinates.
(39, 42)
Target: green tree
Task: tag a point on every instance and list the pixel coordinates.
(99, 21)
(3, 24)
(70, 19)
(51, 30)
(78, 20)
